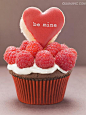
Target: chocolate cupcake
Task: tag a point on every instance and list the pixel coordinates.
(41, 67)
(41, 89)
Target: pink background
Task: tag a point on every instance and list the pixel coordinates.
(73, 34)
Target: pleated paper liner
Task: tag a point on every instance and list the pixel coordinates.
(40, 92)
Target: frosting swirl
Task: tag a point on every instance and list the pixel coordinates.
(34, 69)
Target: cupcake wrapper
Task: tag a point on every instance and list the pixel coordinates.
(40, 92)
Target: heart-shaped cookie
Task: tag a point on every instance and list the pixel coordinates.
(42, 26)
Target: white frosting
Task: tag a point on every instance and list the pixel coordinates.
(34, 69)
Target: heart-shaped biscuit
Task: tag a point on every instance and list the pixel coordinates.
(42, 26)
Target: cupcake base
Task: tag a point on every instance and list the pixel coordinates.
(40, 92)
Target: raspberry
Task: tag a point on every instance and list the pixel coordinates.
(24, 45)
(10, 54)
(74, 51)
(24, 59)
(63, 46)
(66, 59)
(10, 57)
(33, 47)
(10, 48)
(44, 59)
(18, 50)
(54, 48)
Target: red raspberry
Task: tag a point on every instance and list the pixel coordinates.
(10, 48)
(24, 45)
(24, 59)
(54, 48)
(63, 46)
(10, 57)
(44, 59)
(66, 59)
(74, 51)
(33, 47)
(18, 50)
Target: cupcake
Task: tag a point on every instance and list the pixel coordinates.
(40, 67)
